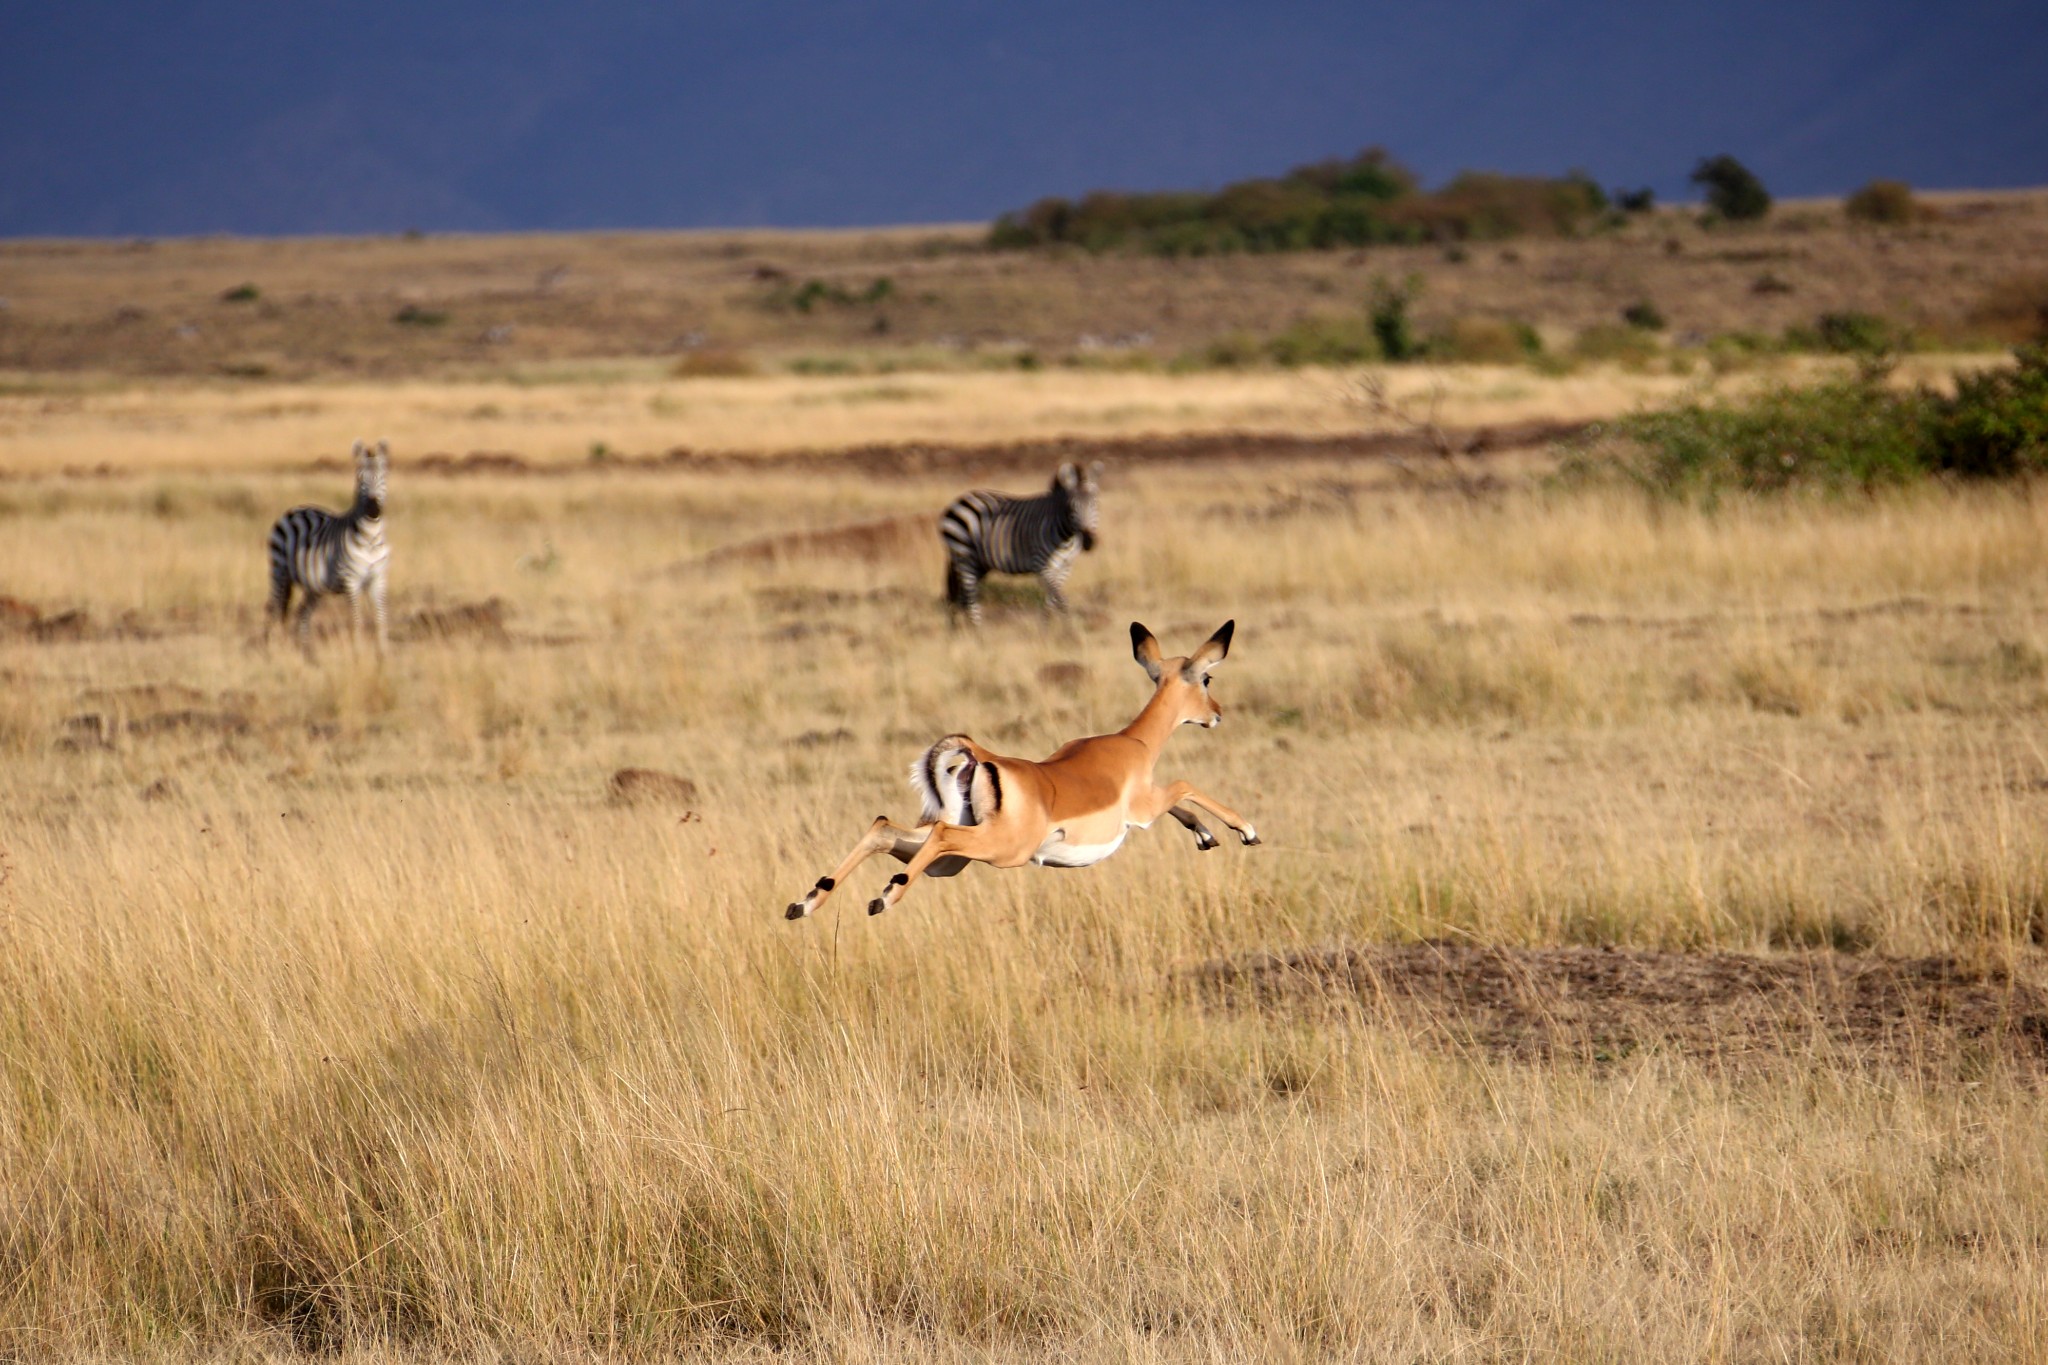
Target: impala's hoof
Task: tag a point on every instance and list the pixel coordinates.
(877, 906)
(1204, 843)
(796, 911)
(1251, 839)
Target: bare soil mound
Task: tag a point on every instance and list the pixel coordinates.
(649, 786)
(887, 538)
(1602, 1004)
(462, 621)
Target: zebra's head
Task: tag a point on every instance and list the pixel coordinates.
(1081, 488)
(372, 469)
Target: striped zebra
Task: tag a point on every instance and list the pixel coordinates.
(321, 553)
(989, 533)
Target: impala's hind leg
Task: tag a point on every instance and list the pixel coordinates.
(1245, 832)
(1204, 840)
(882, 837)
(946, 851)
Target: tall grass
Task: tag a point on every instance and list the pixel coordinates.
(377, 1027)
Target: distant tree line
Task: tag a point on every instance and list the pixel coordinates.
(1364, 200)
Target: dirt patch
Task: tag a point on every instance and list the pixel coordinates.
(44, 627)
(889, 537)
(991, 459)
(647, 787)
(1602, 1004)
(463, 621)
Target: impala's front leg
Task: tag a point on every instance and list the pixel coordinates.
(1167, 798)
(977, 843)
(1204, 840)
(882, 837)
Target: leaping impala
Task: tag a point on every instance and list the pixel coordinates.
(1070, 810)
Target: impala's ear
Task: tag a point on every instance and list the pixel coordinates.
(1145, 650)
(1214, 650)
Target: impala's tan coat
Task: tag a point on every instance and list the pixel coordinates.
(1072, 809)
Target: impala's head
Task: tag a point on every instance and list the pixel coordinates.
(372, 468)
(1185, 682)
(1081, 487)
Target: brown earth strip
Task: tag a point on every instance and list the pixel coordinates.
(1603, 1004)
(902, 459)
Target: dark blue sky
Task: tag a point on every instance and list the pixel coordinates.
(315, 116)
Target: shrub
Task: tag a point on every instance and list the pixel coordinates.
(1364, 200)
(1325, 341)
(412, 315)
(1996, 425)
(1732, 189)
(1887, 202)
(241, 293)
(1391, 328)
(1644, 316)
(1851, 433)
(1629, 347)
(1854, 333)
(1486, 341)
(1845, 433)
(1635, 201)
(713, 362)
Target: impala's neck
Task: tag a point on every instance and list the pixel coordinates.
(1155, 724)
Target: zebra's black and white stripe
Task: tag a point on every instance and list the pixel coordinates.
(321, 553)
(989, 533)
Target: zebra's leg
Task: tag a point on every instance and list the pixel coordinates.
(967, 579)
(1204, 840)
(377, 606)
(310, 600)
(1051, 578)
(355, 618)
(279, 606)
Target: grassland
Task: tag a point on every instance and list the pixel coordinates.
(342, 1007)
(1647, 958)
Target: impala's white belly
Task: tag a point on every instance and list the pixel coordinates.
(1057, 852)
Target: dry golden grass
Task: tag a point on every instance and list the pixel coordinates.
(50, 423)
(340, 1007)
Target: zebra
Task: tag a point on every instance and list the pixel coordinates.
(321, 553)
(989, 533)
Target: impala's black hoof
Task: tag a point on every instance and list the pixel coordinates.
(1205, 843)
(795, 911)
(1250, 839)
(877, 906)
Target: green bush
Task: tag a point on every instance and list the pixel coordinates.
(241, 293)
(1886, 202)
(1391, 327)
(1845, 433)
(1854, 333)
(1486, 341)
(1629, 347)
(1365, 200)
(1732, 189)
(1850, 433)
(1325, 341)
(1996, 426)
(1644, 316)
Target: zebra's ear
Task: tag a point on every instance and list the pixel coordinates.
(1069, 476)
(384, 455)
(1145, 649)
(358, 453)
(1094, 473)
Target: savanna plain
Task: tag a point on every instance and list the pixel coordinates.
(1644, 959)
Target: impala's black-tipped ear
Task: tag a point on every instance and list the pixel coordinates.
(1214, 650)
(1145, 649)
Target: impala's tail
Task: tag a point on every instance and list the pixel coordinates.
(955, 785)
